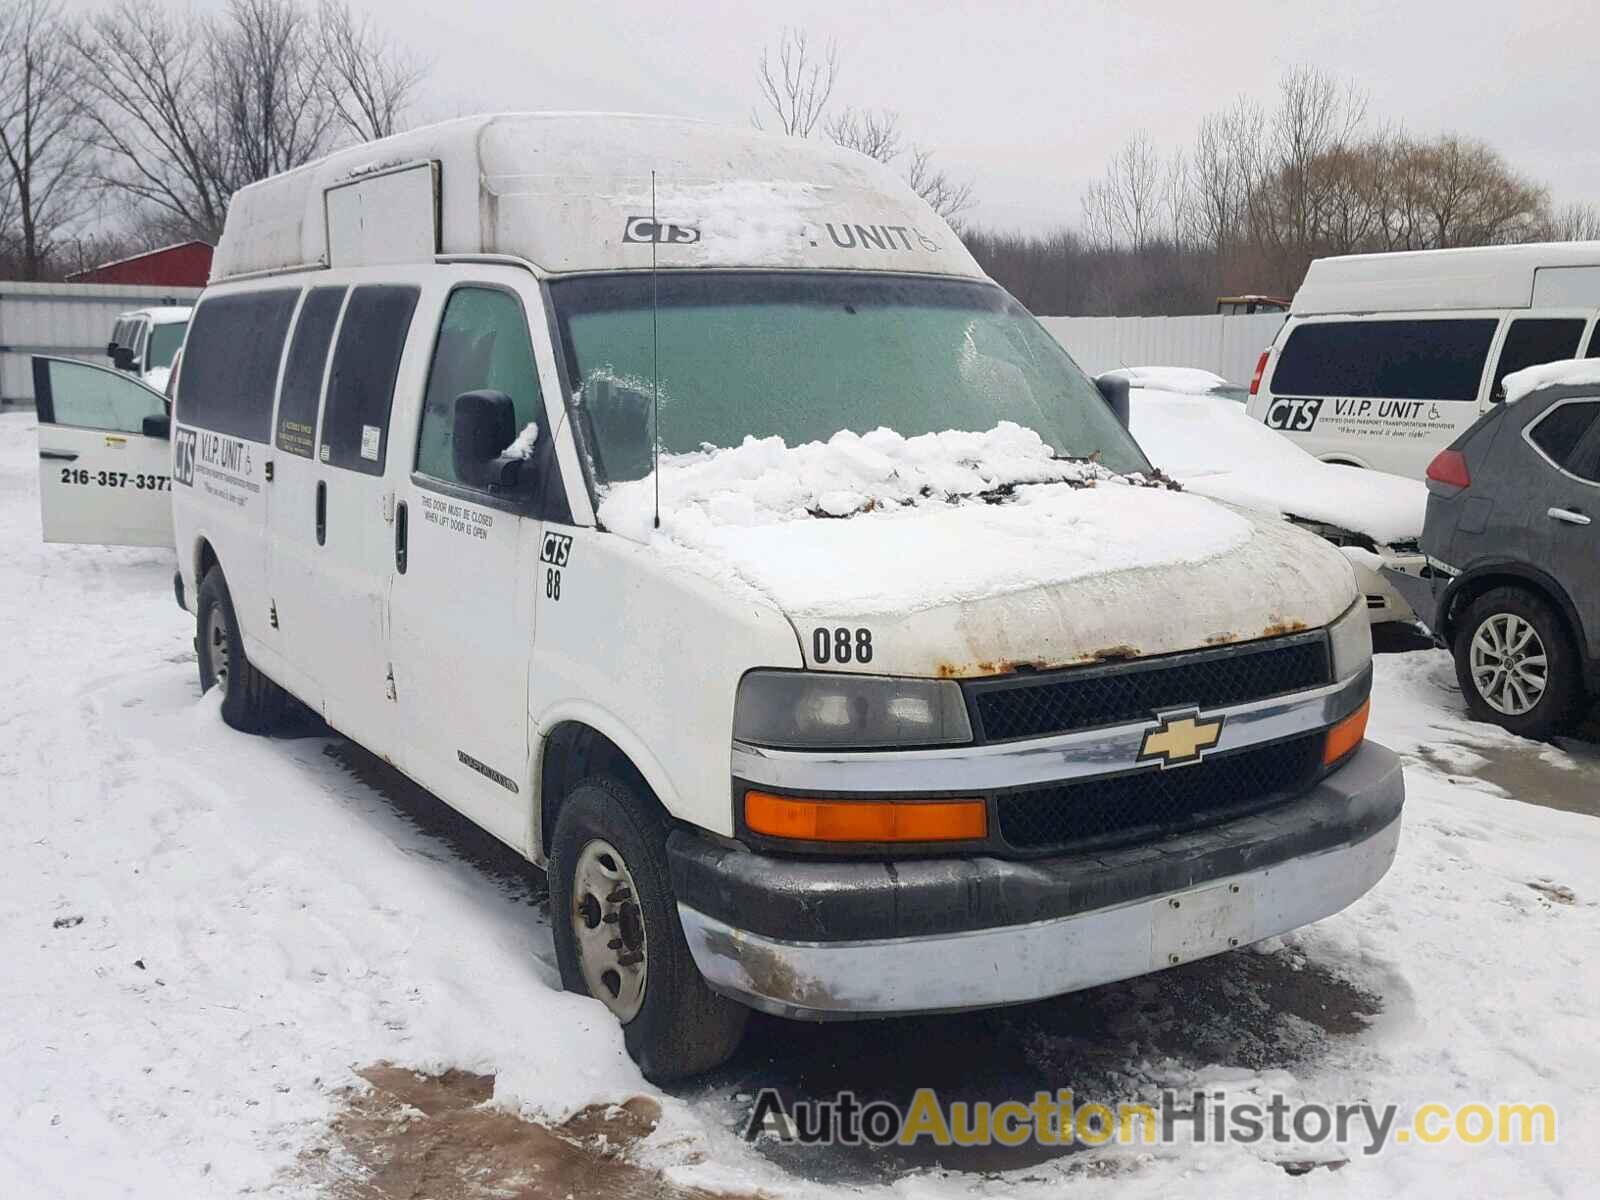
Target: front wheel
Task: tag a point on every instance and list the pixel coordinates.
(250, 701)
(618, 937)
(1516, 663)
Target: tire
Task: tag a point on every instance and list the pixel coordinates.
(251, 702)
(673, 1024)
(1511, 624)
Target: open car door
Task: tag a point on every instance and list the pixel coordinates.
(105, 456)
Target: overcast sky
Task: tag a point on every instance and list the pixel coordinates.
(1029, 100)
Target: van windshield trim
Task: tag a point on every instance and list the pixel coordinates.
(579, 296)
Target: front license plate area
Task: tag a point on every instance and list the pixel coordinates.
(1195, 924)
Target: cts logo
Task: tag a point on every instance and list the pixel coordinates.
(556, 548)
(645, 229)
(1293, 416)
(183, 455)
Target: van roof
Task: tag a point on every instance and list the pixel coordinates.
(572, 192)
(1538, 274)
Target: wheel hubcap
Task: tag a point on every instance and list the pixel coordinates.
(218, 648)
(1509, 666)
(609, 927)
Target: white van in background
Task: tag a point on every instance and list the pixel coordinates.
(1386, 358)
(146, 340)
(684, 506)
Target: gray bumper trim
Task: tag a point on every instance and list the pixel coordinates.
(1195, 902)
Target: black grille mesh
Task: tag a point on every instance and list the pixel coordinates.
(1155, 800)
(1087, 697)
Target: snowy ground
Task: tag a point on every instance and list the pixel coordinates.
(205, 935)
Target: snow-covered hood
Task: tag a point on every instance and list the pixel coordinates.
(1216, 449)
(1012, 558)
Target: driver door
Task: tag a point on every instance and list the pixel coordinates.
(105, 458)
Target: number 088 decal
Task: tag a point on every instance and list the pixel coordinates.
(841, 645)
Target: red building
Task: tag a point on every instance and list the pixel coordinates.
(188, 264)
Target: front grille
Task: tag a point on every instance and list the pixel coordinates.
(1154, 801)
(1024, 706)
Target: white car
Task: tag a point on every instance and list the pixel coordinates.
(1193, 427)
(685, 506)
(146, 340)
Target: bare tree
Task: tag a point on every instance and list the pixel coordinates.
(798, 90)
(1574, 223)
(41, 129)
(1124, 207)
(269, 81)
(370, 81)
(873, 133)
(948, 197)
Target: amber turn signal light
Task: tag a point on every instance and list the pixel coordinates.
(1346, 735)
(810, 820)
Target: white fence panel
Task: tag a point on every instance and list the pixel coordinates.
(1227, 345)
(73, 320)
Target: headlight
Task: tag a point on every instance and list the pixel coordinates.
(803, 710)
(1350, 639)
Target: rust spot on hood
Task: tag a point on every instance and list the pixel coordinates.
(1281, 627)
(1007, 666)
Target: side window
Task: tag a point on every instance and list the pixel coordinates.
(1533, 340)
(230, 362)
(1435, 359)
(483, 344)
(1594, 342)
(302, 374)
(93, 397)
(1562, 436)
(355, 418)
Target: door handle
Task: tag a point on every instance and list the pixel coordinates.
(58, 456)
(400, 520)
(1568, 516)
(322, 512)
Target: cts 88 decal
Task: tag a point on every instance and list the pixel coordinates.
(183, 456)
(841, 645)
(1293, 416)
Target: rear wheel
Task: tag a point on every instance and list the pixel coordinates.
(251, 702)
(1516, 663)
(618, 937)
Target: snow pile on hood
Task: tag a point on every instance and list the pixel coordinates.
(934, 520)
(1189, 381)
(1576, 372)
(1213, 447)
(764, 481)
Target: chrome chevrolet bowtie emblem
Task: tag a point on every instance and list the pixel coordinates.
(1180, 738)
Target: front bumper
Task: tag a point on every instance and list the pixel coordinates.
(841, 940)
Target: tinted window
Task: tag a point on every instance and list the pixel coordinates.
(1594, 342)
(230, 362)
(483, 343)
(1559, 432)
(164, 343)
(80, 394)
(302, 374)
(355, 418)
(1532, 340)
(1399, 360)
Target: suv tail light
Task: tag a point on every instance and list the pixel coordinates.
(1450, 467)
(1261, 369)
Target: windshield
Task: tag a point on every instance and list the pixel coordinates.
(805, 355)
(164, 343)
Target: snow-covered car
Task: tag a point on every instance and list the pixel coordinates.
(1191, 425)
(146, 340)
(685, 506)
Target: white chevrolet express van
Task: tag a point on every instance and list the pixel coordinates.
(1386, 358)
(685, 507)
(147, 340)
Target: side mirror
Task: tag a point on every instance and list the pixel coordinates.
(158, 427)
(122, 358)
(111, 349)
(1114, 389)
(484, 424)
